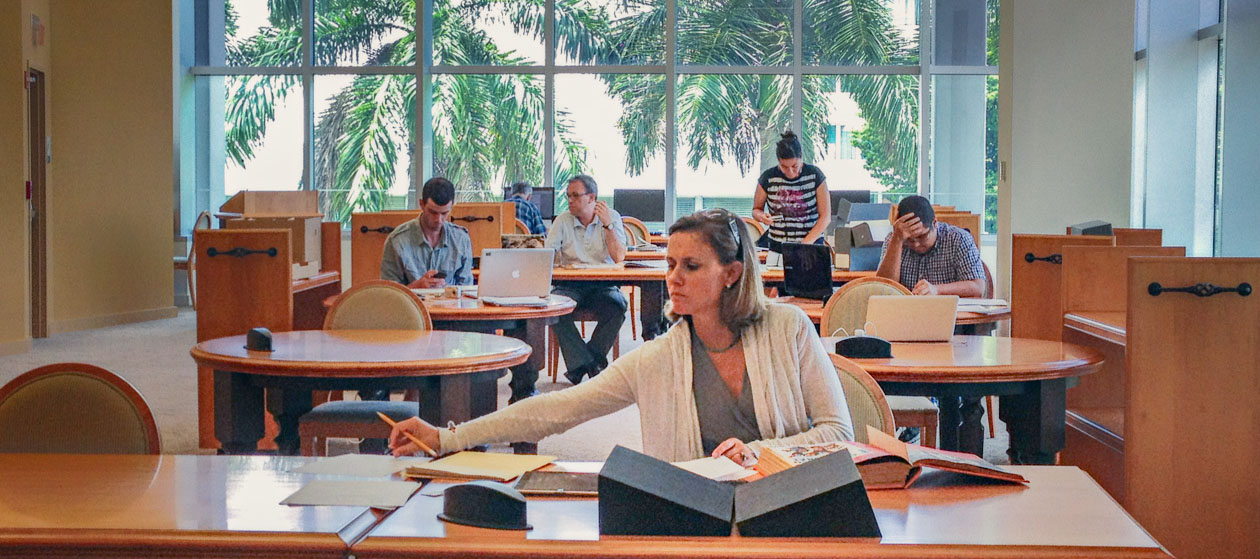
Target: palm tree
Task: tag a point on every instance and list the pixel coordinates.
(738, 117)
(486, 127)
(489, 128)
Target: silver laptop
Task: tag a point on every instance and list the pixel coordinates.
(515, 272)
(912, 318)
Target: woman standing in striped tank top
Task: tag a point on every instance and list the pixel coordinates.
(799, 208)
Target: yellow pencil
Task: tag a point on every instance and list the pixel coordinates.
(413, 438)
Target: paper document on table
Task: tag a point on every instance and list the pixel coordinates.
(359, 465)
(647, 264)
(479, 465)
(516, 301)
(590, 266)
(983, 306)
(718, 468)
(375, 494)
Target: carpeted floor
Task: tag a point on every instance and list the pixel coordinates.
(153, 356)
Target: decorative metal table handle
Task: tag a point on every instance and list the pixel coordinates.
(382, 229)
(240, 252)
(1053, 258)
(472, 218)
(1200, 289)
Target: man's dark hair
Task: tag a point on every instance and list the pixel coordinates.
(521, 188)
(789, 147)
(588, 182)
(920, 207)
(438, 189)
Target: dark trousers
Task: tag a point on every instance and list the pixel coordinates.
(605, 301)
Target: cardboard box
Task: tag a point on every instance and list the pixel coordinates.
(247, 203)
(304, 234)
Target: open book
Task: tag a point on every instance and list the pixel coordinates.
(885, 463)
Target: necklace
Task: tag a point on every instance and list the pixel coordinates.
(728, 347)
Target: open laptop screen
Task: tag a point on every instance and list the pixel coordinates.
(807, 270)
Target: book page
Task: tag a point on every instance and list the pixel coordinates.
(718, 468)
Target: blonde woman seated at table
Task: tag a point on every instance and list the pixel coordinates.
(734, 372)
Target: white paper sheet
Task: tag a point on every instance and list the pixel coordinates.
(359, 465)
(718, 468)
(375, 494)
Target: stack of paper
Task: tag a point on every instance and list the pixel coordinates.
(589, 266)
(470, 465)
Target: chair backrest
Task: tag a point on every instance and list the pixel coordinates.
(378, 305)
(521, 228)
(847, 306)
(75, 408)
(867, 404)
(636, 230)
(368, 232)
(988, 282)
(755, 228)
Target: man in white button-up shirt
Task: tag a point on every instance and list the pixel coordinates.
(591, 233)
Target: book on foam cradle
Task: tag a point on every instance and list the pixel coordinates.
(885, 463)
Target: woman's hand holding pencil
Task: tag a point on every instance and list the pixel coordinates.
(410, 436)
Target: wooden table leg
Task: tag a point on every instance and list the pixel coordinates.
(238, 412)
(651, 308)
(447, 399)
(287, 406)
(1036, 421)
(971, 430)
(951, 419)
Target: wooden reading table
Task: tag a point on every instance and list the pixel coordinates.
(443, 365)
(1030, 376)
(228, 506)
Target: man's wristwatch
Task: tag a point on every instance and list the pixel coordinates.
(607, 226)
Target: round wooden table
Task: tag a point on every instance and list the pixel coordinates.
(1031, 378)
(528, 324)
(442, 365)
(814, 309)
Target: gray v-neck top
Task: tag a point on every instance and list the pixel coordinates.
(721, 414)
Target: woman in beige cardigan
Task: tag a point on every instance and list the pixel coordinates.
(734, 373)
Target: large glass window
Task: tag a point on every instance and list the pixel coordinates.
(392, 92)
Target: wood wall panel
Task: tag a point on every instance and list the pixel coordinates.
(1094, 278)
(367, 243)
(1193, 433)
(1036, 287)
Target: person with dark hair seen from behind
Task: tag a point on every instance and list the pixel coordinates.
(526, 211)
(429, 251)
(930, 257)
(799, 208)
(589, 233)
(735, 372)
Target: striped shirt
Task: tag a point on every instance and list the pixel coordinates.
(793, 202)
(953, 258)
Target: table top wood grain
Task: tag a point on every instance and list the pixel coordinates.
(364, 353)
(981, 359)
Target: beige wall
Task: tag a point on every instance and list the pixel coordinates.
(111, 175)
(110, 180)
(1066, 116)
(13, 277)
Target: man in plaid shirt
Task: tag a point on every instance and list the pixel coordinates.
(526, 211)
(929, 257)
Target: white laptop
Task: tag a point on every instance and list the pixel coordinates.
(912, 318)
(515, 272)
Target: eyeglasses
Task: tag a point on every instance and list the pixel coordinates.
(573, 196)
(732, 223)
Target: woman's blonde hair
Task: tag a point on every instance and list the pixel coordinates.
(744, 302)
